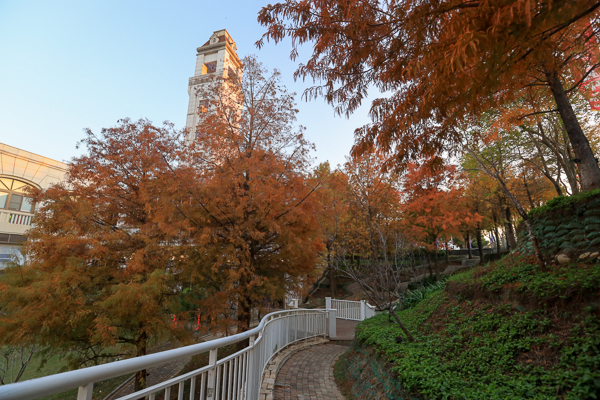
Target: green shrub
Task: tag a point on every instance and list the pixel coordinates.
(481, 349)
(486, 353)
(414, 297)
(560, 202)
(525, 278)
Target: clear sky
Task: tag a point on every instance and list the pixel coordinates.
(70, 65)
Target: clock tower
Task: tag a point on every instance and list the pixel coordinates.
(217, 58)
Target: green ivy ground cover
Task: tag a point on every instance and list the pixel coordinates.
(523, 278)
(484, 349)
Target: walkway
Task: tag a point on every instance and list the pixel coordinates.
(308, 374)
(345, 329)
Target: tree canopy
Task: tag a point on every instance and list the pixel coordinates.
(102, 253)
(254, 233)
(440, 62)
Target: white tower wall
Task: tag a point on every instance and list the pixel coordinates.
(220, 49)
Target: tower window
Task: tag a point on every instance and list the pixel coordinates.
(209, 67)
(231, 73)
(203, 106)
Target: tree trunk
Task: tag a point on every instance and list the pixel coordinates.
(569, 166)
(141, 350)
(523, 215)
(545, 170)
(498, 247)
(510, 231)
(447, 251)
(589, 171)
(556, 184)
(374, 251)
(480, 246)
(495, 219)
(429, 264)
(548, 174)
(529, 196)
(244, 316)
(332, 281)
(519, 208)
(469, 245)
(402, 326)
(435, 259)
(243, 324)
(536, 245)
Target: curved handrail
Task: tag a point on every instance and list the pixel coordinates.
(62, 382)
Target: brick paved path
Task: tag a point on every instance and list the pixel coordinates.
(309, 375)
(345, 329)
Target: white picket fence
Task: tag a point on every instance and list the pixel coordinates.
(352, 310)
(236, 377)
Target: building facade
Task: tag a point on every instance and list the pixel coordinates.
(217, 58)
(20, 169)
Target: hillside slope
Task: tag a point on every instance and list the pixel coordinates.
(506, 331)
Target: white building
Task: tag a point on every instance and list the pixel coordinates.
(215, 58)
(18, 170)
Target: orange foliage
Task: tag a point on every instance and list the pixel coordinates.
(373, 205)
(434, 205)
(254, 234)
(440, 62)
(99, 253)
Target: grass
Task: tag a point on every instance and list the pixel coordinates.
(101, 390)
(505, 331)
(37, 369)
(54, 364)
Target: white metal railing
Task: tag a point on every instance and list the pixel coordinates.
(370, 311)
(352, 310)
(236, 377)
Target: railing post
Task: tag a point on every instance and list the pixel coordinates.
(327, 303)
(85, 392)
(212, 375)
(250, 391)
(332, 320)
(363, 310)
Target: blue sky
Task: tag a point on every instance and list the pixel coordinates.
(70, 65)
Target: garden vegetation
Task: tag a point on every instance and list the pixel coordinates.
(503, 331)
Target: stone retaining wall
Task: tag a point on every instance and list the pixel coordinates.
(572, 229)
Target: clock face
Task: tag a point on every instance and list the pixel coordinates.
(214, 40)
